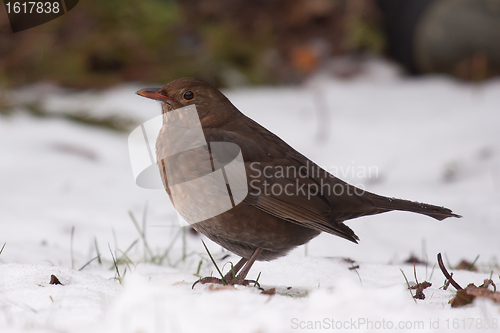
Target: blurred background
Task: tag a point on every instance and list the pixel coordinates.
(249, 42)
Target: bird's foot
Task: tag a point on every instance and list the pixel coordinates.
(231, 282)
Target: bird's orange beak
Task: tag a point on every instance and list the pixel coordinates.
(154, 93)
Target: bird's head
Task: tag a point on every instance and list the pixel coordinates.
(213, 107)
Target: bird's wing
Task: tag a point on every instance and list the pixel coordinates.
(281, 185)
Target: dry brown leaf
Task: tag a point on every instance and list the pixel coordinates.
(270, 292)
(467, 295)
(419, 293)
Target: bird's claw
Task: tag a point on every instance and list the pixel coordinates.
(231, 282)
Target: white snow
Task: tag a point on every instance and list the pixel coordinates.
(430, 139)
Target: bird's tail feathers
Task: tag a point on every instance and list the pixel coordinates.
(437, 212)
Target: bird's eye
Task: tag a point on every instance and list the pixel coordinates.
(188, 95)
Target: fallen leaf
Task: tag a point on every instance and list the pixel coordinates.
(55, 280)
(270, 292)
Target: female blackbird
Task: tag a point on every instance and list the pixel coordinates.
(290, 199)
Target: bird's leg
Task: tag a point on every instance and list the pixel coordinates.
(230, 276)
(240, 279)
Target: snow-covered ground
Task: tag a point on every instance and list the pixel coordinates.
(66, 190)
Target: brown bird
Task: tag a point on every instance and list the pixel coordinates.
(290, 199)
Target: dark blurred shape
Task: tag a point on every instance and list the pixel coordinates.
(192, 231)
(457, 37)
(466, 265)
(23, 15)
(70, 4)
(413, 259)
(400, 19)
(75, 150)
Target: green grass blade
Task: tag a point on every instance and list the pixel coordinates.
(97, 251)
(71, 247)
(408, 284)
(114, 263)
(141, 233)
(88, 262)
(213, 261)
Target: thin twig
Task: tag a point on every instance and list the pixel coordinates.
(446, 274)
